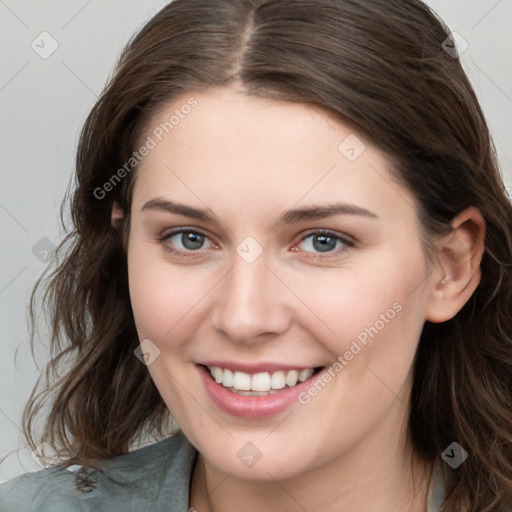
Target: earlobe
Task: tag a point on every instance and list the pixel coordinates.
(457, 273)
(117, 215)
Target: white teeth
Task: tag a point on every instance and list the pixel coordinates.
(227, 378)
(278, 381)
(253, 393)
(259, 383)
(217, 374)
(305, 374)
(242, 381)
(291, 378)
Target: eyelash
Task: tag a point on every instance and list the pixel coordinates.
(348, 244)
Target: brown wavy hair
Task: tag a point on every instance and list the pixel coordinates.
(381, 68)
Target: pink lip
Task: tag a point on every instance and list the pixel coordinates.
(254, 368)
(252, 407)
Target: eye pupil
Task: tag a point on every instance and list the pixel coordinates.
(324, 243)
(192, 240)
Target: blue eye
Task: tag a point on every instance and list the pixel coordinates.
(189, 243)
(189, 240)
(325, 242)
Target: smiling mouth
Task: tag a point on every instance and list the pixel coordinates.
(259, 384)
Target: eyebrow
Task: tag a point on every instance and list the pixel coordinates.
(292, 216)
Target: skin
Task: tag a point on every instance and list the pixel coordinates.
(247, 160)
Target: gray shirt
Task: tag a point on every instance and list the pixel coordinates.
(155, 478)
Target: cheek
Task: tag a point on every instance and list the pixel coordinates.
(163, 297)
(165, 300)
(376, 310)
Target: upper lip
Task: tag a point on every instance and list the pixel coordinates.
(252, 368)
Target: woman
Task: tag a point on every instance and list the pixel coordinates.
(290, 234)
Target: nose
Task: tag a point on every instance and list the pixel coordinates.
(250, 303)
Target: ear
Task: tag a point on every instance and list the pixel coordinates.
(117, 215)
(457, 273)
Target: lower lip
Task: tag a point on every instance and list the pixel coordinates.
(254, 407)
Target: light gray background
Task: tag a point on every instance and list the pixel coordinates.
(43, 103)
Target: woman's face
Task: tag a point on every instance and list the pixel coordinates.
(298, 252)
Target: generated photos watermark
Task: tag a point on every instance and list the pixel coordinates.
(151, 142)
(356, 346)
(147, 352)
(249, 455)
(454, 455)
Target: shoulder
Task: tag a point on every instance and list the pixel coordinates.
(437, 491)
(155, 478)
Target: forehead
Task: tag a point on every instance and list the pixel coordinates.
(243, 150)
